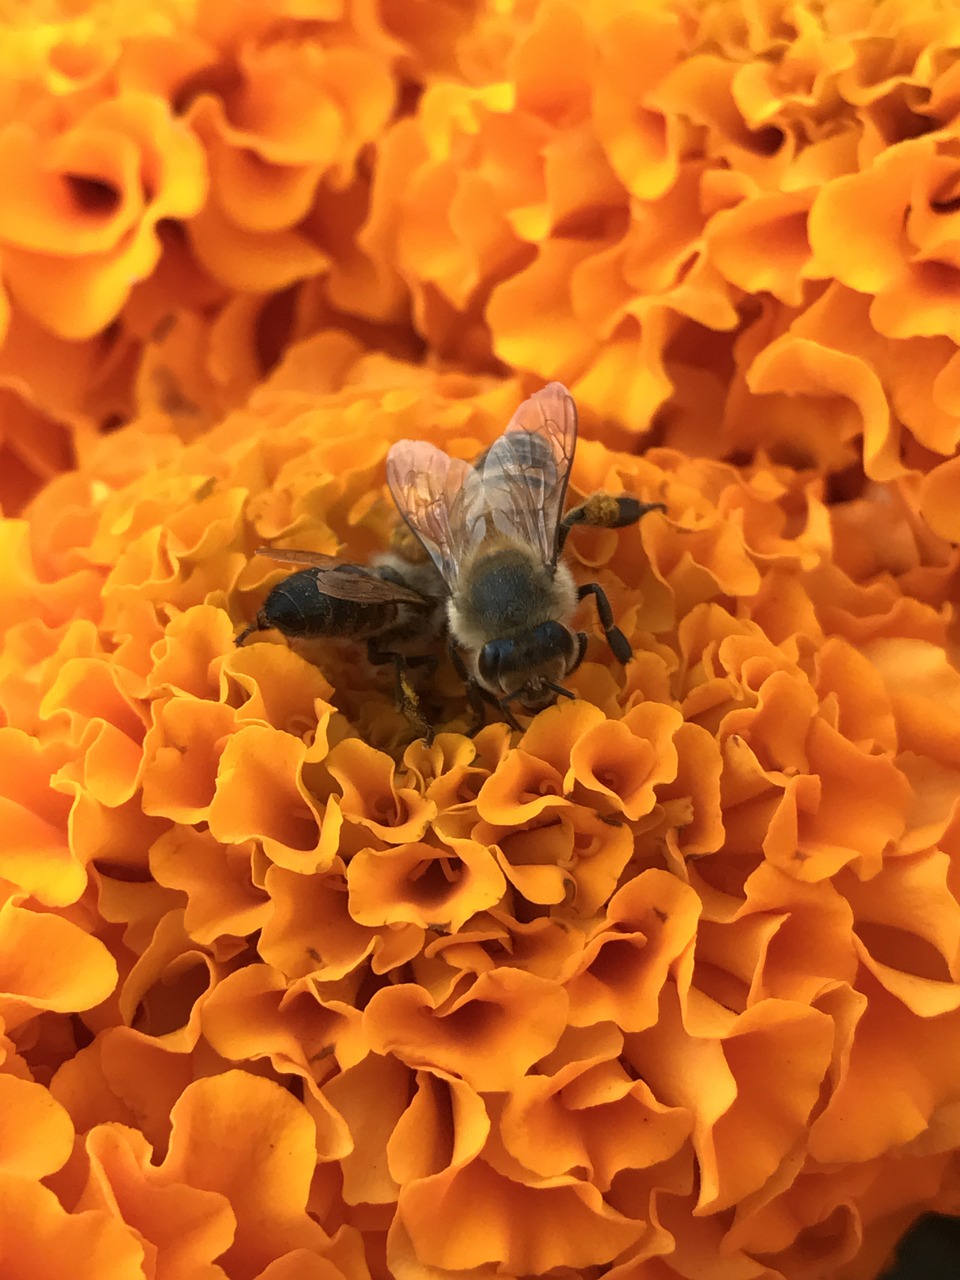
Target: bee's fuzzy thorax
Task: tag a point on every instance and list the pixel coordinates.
(507, 591)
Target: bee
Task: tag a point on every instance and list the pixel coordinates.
(394, 604)
(495, 531)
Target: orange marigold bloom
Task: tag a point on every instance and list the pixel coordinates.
(664, 983)
(539, 978)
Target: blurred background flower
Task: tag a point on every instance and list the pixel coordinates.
(665, 985)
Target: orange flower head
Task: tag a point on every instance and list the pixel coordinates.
(661, 980)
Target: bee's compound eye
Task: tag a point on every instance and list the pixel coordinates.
(488, 662)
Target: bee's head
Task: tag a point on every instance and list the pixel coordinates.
(528, 667)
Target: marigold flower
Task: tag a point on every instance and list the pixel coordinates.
(665, 983)
(84, 213)
(588, 939)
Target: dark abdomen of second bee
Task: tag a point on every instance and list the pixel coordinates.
(508, 592)
(298, 607)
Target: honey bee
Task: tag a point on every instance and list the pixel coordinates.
(495, 531)
(394, 604)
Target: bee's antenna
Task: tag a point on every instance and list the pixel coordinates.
(559, 689)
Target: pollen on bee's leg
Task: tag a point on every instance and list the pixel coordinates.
(407, 700)
(408, 703)
(605, 511)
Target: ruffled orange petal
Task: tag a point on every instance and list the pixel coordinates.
(423, 884)
(448, 771)
(499, 1026)
(914, 955)
(722, 1079)
(40, 1238)
(310, 928)
(260, 795)
(625, 760)
(865, 253)
(254, 1013)
(530, 1229)
(83, 228)
(126, 1077)
(253, 263)
(885, 1044)
(619, 976)
(371, 796)
(371, 1096)
(535, 860)
(36, 854)
(221, 897)
(164, 990)
(302, 1264)
(553, 734)
(541, 291)
(590, 1116)
(282, 690)
(925, 700)
(641, 141)
(47, 962)
(809, 920)
(543, 946)
(600, 853)
(697, 786)
(852, 809)
(36, 1134)
(938, 499)
(521, 789)
(182, 754)
(183, 1229)
(847, 392)
(254, 1144)
(188, 658)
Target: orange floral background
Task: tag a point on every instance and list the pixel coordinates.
(668, 984)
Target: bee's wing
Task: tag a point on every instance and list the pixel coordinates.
(525, 473)
(293, 555)
(345, 581)
(439, 497)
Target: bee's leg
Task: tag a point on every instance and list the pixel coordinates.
(617, 641)
(404, 693)
(258, 624)
(478, 702)
(504, 709)
(476, 695)
(603, 511)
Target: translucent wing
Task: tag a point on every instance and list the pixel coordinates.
(524, 474)
(439, 497)
(346, 581)
(292, 555)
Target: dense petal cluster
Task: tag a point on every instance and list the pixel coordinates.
(736, 226)
(724, 227)
(672, 974)
(664, 984)
(174, 168)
